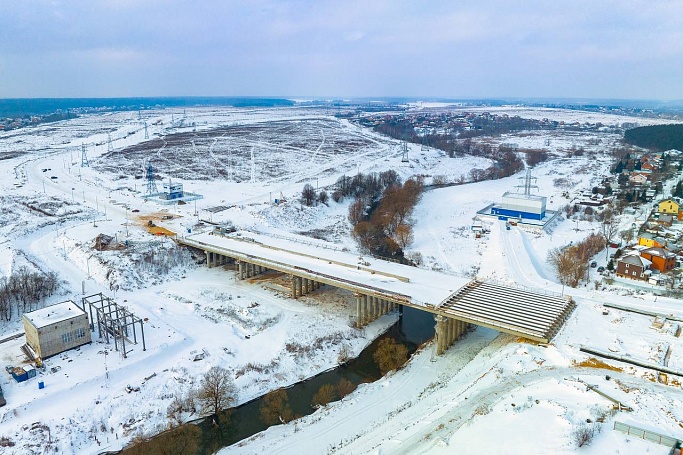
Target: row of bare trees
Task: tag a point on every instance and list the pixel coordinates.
(24, 290)
(384, 228)
(571, 262)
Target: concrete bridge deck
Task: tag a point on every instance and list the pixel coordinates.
(381, 285)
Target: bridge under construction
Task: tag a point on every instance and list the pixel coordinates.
(382, 286)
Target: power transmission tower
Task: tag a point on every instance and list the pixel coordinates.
(529, 182)
(151, 182)
(404, 157)
(146, 133)
(110, 146)
(84, 157)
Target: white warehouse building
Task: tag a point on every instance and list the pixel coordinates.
(524, 206)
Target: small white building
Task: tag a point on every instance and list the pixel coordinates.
(172, 190)
(56, 329)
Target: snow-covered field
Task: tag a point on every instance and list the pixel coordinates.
(489, 392)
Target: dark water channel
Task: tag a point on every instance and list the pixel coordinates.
(413, 328)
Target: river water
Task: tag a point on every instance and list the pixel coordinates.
(413, 328)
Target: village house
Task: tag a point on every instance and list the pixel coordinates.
(664, 220)
(672, 207)
(638, 178)
(651, 240)
(660, 258)
(634, 267)
(648, 166)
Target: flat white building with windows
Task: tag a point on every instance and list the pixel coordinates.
(56, 329)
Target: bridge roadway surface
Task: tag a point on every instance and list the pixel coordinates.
(508, 309)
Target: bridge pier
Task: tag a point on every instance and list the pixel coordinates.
(360, 314)
(447, 331)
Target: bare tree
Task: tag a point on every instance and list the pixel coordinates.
(308, 194)
(275, 408)
(357, 211)
(609, 230)
(217, 391)
(323, 197)
(404, 235)
(583, 434)
(568, 264)
(324, 395)
(627, 236)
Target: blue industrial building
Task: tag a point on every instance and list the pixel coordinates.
(520, 206)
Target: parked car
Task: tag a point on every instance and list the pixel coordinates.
(594, 264)
(601, 269)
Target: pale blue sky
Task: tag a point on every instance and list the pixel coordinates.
(491, 48)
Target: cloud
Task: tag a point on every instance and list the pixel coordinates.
(350, 48)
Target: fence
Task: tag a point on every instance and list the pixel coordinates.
(647, 435)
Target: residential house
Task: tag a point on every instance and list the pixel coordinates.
(672, 207)
(637, 178)
(661, 259)
(634, 267)
(648, 166)
(664, 220)
(651, 240)
(669, 206)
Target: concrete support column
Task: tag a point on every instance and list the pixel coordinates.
(299, 286)
(208, 261)
(440, 334)
(293, 287)
(366, 314)
(460, 329)
(240, 270)
(359, 312)
(451, 332)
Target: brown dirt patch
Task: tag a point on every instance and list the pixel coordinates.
(592, 362)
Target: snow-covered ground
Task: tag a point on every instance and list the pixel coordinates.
(489, 392)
